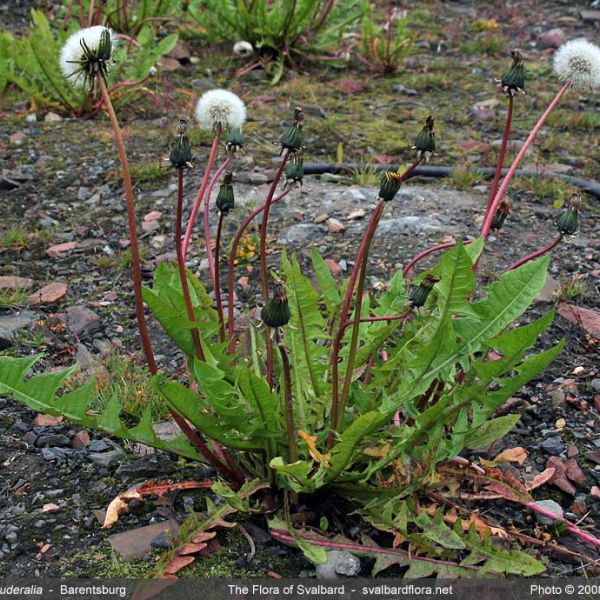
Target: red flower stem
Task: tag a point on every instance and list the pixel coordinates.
(335, 351)
(201, 190)
(231, 267)
(576, 531)
(487, 223)
(207, 241)
(262, 256)
(91, 15)
(289, 405)
(354, 337)
(413, 261)
(181, 266)
(501, 155)
(537, 253)
(217, 286)
(192, 436)
(136, 269)
(386, 318)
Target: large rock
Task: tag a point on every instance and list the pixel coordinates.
(10, 325)
(82, 320)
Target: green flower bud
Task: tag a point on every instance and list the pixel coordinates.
(292, 137)
(420, 294)
(568, 222)
(294, 171)
(235, 140)
(513, 80)
(425, 142)
(105, 46)
(389, 185)
(181, 152)
(500, 216)
(225, 197)
(276, 312)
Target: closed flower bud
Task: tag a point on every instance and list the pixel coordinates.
(292, 137)
(389, 185)
(500, 216)
(568, 222)
(225, 197)
(276, 312)
(181, 152)
(425, 142)
(294, 171)
(420, 294)
(513, 80)
(235, 140)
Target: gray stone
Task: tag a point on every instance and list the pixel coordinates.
(409, 224)
(149, 466)
(10, 325)
(553, 507)
(357, 194)
(596, 384)
(84, 358)
(11, 537)
(590, 15)
(400, 89)
(300, 233)
(546, 294)
(82, 320)
(552, 446)
(97, 446)
(108, 458)
(53, 440)
(339, 562)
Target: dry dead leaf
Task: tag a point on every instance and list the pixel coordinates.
(518, 455)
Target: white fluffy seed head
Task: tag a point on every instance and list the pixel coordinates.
(79, 50)
(578, 61)
(220, 107)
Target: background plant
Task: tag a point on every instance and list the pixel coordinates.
(31, 64)
(420, 382)
(281, 31)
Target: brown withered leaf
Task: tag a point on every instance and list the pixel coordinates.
(148, 488)
(311, 442)
(518, 455)
(178, 563)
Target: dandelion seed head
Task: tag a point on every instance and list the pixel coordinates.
(86, 53)
(220, 107)
(578, 61)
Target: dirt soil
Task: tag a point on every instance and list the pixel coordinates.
(67, 191)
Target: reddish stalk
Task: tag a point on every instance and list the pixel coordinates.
(136, 269)
(386, 318)
(413, 261)
(217, 286)
(354, 337)
(576, 531)
(289, 405)
(91, 15)
(487, 223)
(536, 254)
(206, 215)
(231, 267)
(501, 155)
(335, 351)
(262, 255)
(198, 201)
(193, 437)
(181, 266)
